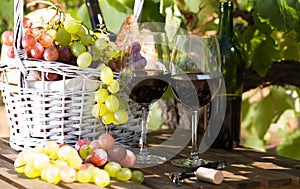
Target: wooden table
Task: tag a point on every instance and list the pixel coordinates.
(246, 168)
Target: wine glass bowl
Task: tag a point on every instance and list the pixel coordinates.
(196, 79)
(145, 76)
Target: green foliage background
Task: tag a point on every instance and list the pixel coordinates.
(268, 31)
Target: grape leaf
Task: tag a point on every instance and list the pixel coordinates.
(284, 130)
(264, 55)
(290, 146)
(151, 12)
(254, 142)
(263, 115)
(279, 13)
(192, 5)
(112, 10)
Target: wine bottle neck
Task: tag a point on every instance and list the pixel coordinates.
(95, 14)
(226, 19)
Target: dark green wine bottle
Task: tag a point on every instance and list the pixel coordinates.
(232, 70)
(95, 14)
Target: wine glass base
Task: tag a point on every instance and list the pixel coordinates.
(149, 159)
(188, 162)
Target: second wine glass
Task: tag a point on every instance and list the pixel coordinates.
(145, 75)
(195, 80)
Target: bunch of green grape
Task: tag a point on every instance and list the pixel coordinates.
(109, 107)
(56, 163)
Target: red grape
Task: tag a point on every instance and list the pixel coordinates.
(95, 144)
(51, 76)
(35, 32)
(117, 153)
(11, 52)
(99, 157)
(65, 55)
(51, 54)
(8, 38)
(27, 23)
(37, 51)
(106, 141)
(28, 41)
(46, 40)
(80, 143)
(129, 160)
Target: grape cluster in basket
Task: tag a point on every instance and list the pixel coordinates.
(63, 39)
(96, 161)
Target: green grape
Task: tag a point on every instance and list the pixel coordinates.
(19, 163)
(112, 103)
(64, 152)
(77, 48)
(51, 149)
(52, 32)
(41, 161)
(30, 171)
(108, 117)
(60, 163)
(63, 37)
(84, 176)
(51, 174)
(137, 176)
(74, 161)
(103, 109)
(106, 75)
(68, 174)
(96, 110)
(29, 156)
(114, 86)
(87, 39)
(121, 116)
(101, 43)
(124, 174)
(101, 95)
(101, 178)
(71, 25)
(84, 60)
(96, 54)
(112, 168)
(81, 31)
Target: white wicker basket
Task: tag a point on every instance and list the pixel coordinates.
(40, 111)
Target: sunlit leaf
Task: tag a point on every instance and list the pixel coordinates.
(255, 142)
(112, 10)
(290, 146)
(264, 55)
(279, 13)
(263, 115)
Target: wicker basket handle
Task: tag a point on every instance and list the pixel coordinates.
(20, 53)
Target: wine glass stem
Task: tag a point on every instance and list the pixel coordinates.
(143, 139)
(195, 115)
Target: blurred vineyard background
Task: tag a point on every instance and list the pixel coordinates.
(269, 33)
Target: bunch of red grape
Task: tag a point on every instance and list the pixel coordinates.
(94, 161)
(65, 40)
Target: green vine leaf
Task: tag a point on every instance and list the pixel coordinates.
(263, 56)
(112, 10)
(290, 147)
(263, 115)
(279, 13)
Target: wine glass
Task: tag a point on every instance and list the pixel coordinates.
(145, 75)
(196, 78)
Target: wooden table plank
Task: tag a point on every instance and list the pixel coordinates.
(247, 169)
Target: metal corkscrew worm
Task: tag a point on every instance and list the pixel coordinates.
(178, 177)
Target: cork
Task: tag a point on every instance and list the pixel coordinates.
(209, 175)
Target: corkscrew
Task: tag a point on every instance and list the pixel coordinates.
(208, 172)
